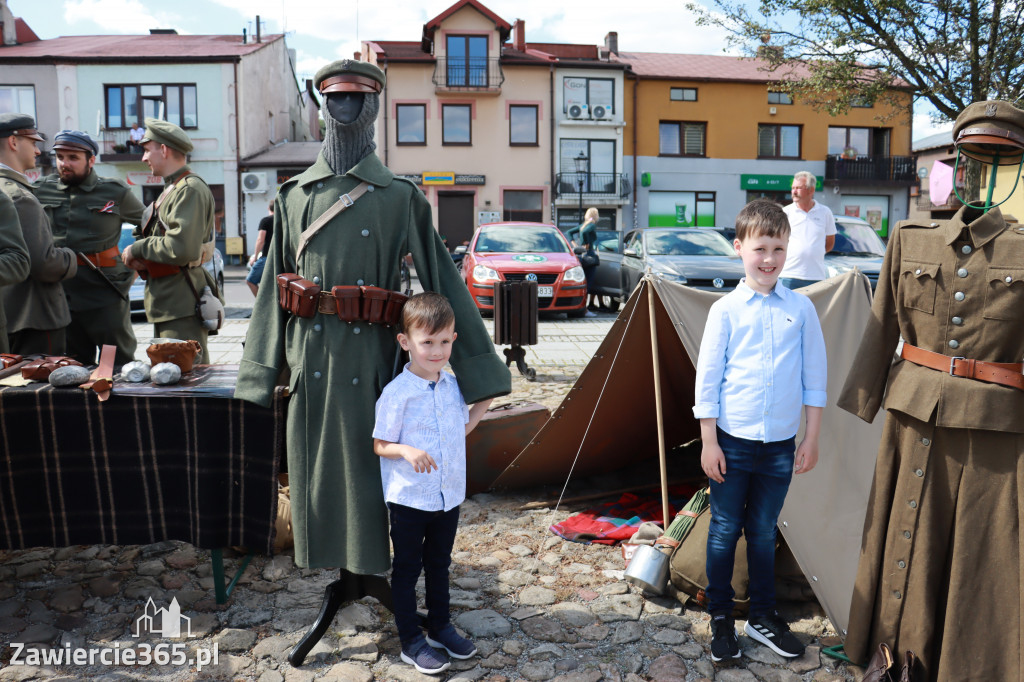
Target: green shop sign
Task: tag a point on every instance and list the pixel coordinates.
(771, 183)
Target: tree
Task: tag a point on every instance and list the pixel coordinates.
(835, 53)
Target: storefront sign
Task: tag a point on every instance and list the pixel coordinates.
(439, 178)
(470, 180)
(417, 178)
(771, 183)
(143, 178)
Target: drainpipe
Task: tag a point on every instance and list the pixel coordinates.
(636, 180)
(238, 161)
(551, 126)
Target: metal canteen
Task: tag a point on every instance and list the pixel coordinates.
(648, 569)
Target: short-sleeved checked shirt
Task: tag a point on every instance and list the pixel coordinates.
(431, 416)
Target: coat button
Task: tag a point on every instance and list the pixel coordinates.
(316, 375)
(319, 185)
(958, 320)
(918, 473)
(913, 504)
(901, 563)
(359, 282)
(962, 272)
(317, 327)
(959, 295)
(1008, 279)
(316, 280)
(933, 225)
(365, 233)
(369, 188)
(925, 442)
(966, 248)
(356, 330)
(917, 272)
(906, 534)
(953, 343)
(897, 594)
(355, 381)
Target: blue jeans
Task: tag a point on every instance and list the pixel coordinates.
(422, 540)
(794, 283)
(756, 482)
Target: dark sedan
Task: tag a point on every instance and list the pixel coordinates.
(700, 258)
(857, 246)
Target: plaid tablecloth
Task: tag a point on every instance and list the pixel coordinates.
(137, 470)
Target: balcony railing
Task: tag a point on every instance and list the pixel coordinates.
(898, 170)
(114, 146)
(595, 185)
(468, 74)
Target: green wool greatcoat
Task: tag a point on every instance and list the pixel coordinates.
(13, 256)
(337, 370)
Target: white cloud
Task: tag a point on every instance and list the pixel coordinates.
(116, 16)
(925, 126)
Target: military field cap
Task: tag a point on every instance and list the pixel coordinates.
(165, 132)
(20, 124)
(349, 75)
(991, 132)
(75, 140)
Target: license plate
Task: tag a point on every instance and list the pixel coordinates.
(545, 292)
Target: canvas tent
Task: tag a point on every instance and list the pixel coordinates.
(608, 420)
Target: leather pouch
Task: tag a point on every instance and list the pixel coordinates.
(181, 353)
(39, 370)
(880, 666)
(374, 299)
(349, 302)
(9, 360)
(282, 288)
(302, 297)
(393, 308)
(909, 663)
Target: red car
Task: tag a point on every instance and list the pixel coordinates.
(518, 251)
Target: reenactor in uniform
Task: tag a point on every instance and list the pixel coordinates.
(13, 256)
(36, 309)
(86, 213)
(176, 238)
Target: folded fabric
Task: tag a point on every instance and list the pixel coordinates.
(617, 521)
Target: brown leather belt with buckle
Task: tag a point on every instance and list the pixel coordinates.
(104, 259)
(1003, 373)
(158, 270)
(349, 303)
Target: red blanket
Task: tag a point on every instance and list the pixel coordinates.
(617, 521)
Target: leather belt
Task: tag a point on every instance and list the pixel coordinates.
(158, 270)
(107, 258)
(1003, 373)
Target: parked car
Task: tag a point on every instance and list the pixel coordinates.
(525, 251)
(694, 256)
(137, 291)
(606, 278)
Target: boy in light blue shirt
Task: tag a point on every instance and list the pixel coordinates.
(420, 436)
(761, 359)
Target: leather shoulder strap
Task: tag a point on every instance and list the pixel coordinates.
(340, 205)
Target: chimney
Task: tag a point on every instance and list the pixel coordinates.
(611, 42)
(244, 36)
(163, 32)
(7, 25)
(519, 35)
(259, 35)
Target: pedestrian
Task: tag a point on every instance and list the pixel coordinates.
(420, 435)
(36, 308)
(338, 367)
(812, 235)
(176, 238)
(86, 212)
(14, 262)
(258, 259)
(761, 358)
(586, 233)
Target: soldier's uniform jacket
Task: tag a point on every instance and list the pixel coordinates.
(87, 218)
(176, 237)
(37, 302)
(13, 256)
(338, 369)
(954, 287)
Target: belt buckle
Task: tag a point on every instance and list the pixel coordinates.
(952, 362)
(347, 200)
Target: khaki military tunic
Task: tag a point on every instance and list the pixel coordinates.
(87, 218)
(13, 256)
(338, 369)
(176, 237)
(38, 302)
(940, 571)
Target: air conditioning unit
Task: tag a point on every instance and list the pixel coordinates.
(602, 112)
(254, 183)
(579, 111)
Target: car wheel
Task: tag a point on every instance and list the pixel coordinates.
(220, 283)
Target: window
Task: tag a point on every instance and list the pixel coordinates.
(681, 138)
(778, 141)
(681, 209)
(522, 124)
(525, 205)
(682, 94)
(600, 176)
(593, 95)
(412, 123)
(127, 104)
(467, 61)
(455, 124)
(18, 99)
(779, 98)
(861, 102)
(851, 143)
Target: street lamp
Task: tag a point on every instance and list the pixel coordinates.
(581, 169)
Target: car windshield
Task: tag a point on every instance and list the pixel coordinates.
(687, 243)
(608, 240)
(519, 239)
(857, 239)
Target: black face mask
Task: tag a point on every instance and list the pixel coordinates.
(345, 107)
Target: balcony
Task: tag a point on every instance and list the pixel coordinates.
(114, 146)
(924, 203)
(477, 75)
(871, 170)
(595, 185)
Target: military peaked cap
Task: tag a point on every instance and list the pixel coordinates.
(20, 124)
(991, 132)
(349, 75)
(75, 140)
(166, 133)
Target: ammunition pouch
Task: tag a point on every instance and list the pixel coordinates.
(302, 298)
(39, 370)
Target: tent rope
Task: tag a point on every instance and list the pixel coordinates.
(601, 394)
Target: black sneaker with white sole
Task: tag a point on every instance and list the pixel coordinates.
(724, 643)
(773, 632)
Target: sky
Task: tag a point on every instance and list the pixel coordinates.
(320, 38)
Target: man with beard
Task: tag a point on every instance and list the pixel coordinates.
(86, 213)
(36, 309)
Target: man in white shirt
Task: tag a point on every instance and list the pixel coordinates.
(812, 235)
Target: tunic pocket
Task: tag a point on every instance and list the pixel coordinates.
(1004, 298)
(918, 284)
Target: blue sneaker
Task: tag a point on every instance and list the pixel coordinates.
(450, 641)
(424, 658)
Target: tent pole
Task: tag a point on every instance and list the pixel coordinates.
(657, 404)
